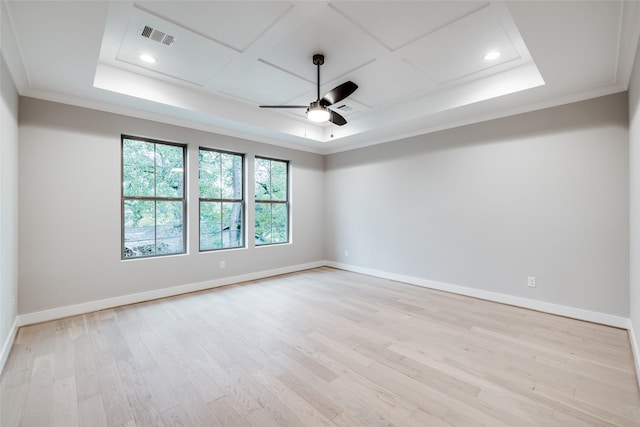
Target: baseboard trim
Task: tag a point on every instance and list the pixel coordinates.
(83, 308)
(8, 344)
(88, 307)
(561, 310)
(633, 338)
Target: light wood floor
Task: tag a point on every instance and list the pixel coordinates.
(319, 348)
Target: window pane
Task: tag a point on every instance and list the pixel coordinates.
(209, 174)
(278, 181)
(210, 225)
(169, 156)
(169, 182)
(138, 168)
(221, 225)
(139, 228)
(232, 234)
(138, 153)
(279, 223)
(169, 227)
(263, 179)
(231, 176)
(271, 223)
(138, 181)
(263, 223)
(169, 171)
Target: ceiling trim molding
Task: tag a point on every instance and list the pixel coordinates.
(11, 52)
(628, 40)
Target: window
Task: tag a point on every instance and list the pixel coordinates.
(220, 177)
(153, 198)
(272, 201)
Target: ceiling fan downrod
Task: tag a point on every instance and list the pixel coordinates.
(318, 60)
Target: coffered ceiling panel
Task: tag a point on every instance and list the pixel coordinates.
(457, 50)
(396, 24)
(345, 48)
(236, 24)
(389, 80)
(178, 53)
(261, 84)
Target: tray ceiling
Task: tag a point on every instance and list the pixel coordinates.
(420, 66)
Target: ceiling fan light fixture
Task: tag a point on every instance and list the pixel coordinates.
(318, 113)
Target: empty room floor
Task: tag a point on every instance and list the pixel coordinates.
(321, 347)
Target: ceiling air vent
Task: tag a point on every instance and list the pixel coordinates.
(344, 107)
(167, 40)
(159, 36)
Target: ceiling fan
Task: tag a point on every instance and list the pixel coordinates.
(318, 110)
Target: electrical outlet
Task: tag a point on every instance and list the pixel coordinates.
(346, 253)
(531, 281)
(222, 264)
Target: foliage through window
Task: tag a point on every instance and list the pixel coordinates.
(271, 201)
(153, 198)
(220, 177)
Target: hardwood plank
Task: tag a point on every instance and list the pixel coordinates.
(163, 394)
(114, 398)
(86, 375)
(310, 392)
(225, 415)
(177, 416)
(307, 414)
(91, 412)
(12, 402)
(39, 404)
(65, 403)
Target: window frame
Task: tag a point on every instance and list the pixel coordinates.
(286, 202)
(155, 199)
(222, 200)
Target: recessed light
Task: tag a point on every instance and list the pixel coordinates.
(147, 58)
(490, 56)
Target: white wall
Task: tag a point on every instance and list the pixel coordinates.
(485, 206)
(70, 210)
(8, 209)
(634, 201)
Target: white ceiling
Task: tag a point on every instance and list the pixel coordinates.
(419, 64)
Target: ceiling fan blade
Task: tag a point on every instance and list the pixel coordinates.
(338, 93)
(284, 106)
(337, 119)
